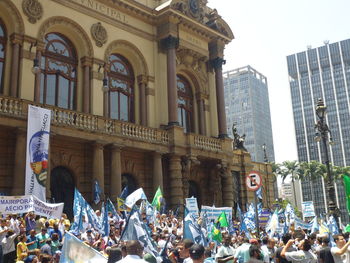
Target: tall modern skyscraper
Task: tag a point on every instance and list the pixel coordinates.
(322, 72)
(247, 106)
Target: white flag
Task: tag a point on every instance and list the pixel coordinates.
(134, 197)
(38, 134)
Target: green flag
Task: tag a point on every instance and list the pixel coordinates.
(222, 220)
(216, 234)
(346, 180)
(347, 228)
(157, 199)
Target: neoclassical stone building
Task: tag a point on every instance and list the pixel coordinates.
(136, 93)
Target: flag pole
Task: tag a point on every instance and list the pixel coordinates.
(256, 214)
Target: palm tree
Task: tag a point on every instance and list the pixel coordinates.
(311, 171)
(291, 168)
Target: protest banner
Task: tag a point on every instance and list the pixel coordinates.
(308, 209)
(264, 217)
(29, 203)
(214, 212)
(192, 205)
(76, 251)
(298, 223)
(38, 134)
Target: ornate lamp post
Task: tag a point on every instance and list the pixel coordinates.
(324, 135)
(267, 176)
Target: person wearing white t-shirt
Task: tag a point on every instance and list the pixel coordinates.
(303, 255)
(226, 253)
(341, 253)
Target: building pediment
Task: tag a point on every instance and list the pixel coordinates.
(197, 11)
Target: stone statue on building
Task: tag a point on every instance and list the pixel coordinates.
(238, 141)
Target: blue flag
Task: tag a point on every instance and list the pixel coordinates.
(79, 209)
(104, 220)
(97, 193)
(135, 229)
(332, 225)
(192, 230)
(315, 227)
(124, 194)
(111, 208)
(259, 193)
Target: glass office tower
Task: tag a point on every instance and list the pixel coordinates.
(322, 72)
(247, 105)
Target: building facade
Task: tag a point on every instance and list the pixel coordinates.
(292, 193)
(322, 72)
(247, 106)
(136, 94)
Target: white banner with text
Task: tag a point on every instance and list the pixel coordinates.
(29, 203)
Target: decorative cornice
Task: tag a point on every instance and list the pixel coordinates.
(33, 10)
(99, 34)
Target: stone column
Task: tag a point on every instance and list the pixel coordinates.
(227, 190)
(201, 114)
(116, 172)
(20, 163)
(176, 187)
(105, 96)
(220, 98)
(87, 65)
(157, 171)
(170, 44)
(142, 81)
(98, 167)
(16, 44)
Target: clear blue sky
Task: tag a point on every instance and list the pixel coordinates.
(266, 31)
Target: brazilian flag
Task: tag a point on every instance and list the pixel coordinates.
(120, 204)
(222, 220)
(346, 180)
(216, 234)
(157, 199)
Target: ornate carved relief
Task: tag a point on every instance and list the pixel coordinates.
(215, 22)
(191, 8)
(33, 10)
(196, 62)
(58, 20)
(99, 34)
(189, 168)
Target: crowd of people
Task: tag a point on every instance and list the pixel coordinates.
(29, 238)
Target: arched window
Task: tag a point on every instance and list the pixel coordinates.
(185, 104)
(2, 55)
(58, 72)
(121, 89)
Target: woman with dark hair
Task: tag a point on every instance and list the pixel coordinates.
(114, 254)
(303, 255)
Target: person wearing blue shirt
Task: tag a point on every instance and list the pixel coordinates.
(32, 240)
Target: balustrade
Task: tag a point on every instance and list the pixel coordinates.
(88, 122)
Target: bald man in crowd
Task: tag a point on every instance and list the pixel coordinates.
(134, 253)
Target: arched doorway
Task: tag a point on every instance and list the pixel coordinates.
(62, 188)
(193, 191)
(128, 180)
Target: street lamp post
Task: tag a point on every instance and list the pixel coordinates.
(267, 176)
(324, 135)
